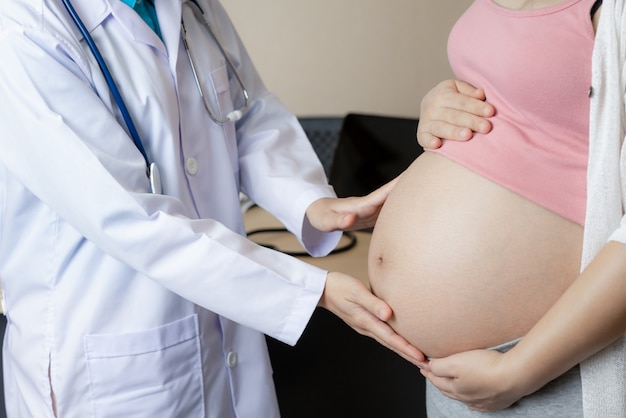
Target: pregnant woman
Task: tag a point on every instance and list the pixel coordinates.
(480, 243)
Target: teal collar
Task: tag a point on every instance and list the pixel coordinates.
(145, 9)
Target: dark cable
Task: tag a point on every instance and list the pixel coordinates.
(352, 240)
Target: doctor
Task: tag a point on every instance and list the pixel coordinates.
(122, 302)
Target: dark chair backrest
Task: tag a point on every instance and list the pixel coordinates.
(371, 151)
(323, 132)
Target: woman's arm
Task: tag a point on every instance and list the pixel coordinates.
(589, 316)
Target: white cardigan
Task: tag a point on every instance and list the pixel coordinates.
(604, 374)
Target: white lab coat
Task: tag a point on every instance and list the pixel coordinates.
(109, 290)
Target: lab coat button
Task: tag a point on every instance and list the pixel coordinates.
(231, 359)
(191, 165)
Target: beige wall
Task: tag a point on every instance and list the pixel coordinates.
(331, 57)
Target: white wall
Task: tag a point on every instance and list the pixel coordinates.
(331, 57)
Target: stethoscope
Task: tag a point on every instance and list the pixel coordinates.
(152, 169)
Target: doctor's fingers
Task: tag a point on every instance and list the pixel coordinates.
(367, 208)
(380, 331)
(349, 213)
(387, 337)
(349, 299)
(373, 325)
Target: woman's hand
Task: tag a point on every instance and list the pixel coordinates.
(349, 299)
(478, 378)
(348, 213)
(453, 110)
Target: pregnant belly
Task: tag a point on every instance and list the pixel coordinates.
(465, 263)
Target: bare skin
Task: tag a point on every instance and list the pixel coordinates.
(443, 256)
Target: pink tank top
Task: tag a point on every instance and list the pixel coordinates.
(535, 67)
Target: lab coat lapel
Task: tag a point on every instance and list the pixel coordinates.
(91, 12)
(170, 10)
(94, 12)
(135, 27)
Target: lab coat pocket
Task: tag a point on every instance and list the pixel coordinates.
(150, 373)
(223, 95)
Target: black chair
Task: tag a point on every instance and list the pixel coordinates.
(372, 150)
(323, 132)
(333, 372)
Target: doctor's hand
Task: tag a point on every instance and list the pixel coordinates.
(349, 299)
(452, 110)
(481, 379)
(348, 213)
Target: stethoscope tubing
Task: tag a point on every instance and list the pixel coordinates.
(235, 114)
(132, 130)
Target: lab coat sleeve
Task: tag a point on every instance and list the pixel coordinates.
(279, 169)
(273, 151)
(66, 148)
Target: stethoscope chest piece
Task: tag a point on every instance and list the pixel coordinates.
(155, 178)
